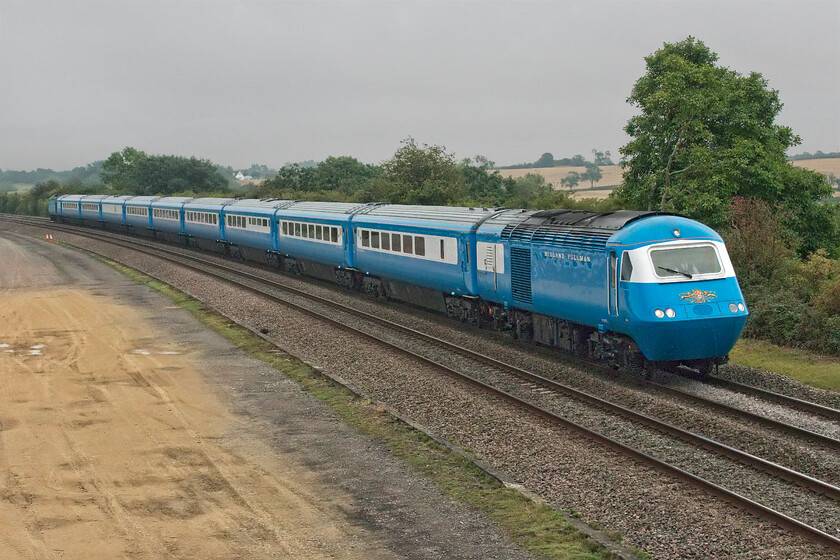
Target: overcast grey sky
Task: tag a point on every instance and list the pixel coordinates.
(276, 82)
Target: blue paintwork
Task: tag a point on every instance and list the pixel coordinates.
(266, 241)
(688, 335)
(213, 232)
(72, 214)
(94, 216)
(144, 222)
(449, 278)
(325, 213)
(569, 276)
(658, 229)
(457, 278)
(324, 253)
(170, 203)
(118, 219)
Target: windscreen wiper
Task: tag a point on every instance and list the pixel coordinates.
(686, 274)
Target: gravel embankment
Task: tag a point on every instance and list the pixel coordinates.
(658, 514)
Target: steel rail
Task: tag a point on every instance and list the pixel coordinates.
(809, 406)
(760, 418)
(796, 430)
(739, 500)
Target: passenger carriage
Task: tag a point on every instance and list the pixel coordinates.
(250, 224)
(423, 246)
(69, 207)
(90, 208)
(313, 237)
(138, 214)
(203, 222)
(168, 216)
(113, 211)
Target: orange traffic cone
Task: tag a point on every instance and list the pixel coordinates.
(49, 237)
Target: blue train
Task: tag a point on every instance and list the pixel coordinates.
(631, 288)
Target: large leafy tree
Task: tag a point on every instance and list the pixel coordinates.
(132, 171)
(707, 134)
(419, 175)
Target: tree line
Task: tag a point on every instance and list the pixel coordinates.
(704, 144)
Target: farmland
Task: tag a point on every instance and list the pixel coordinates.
(612, 175)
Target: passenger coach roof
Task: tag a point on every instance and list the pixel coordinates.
(142, 199)
(429, 213)
(327, 207)
(210, 201)
(174, 199)
(261, 203)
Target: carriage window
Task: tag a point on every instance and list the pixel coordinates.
(334, 232)
(311, 231)
(442, 253)
(407, 244)
(374, 239)
(365, 238)
(386, 240)
(626, 266)
(297, 230)
(420, 246)
(395, 242)
(683, 262)
(318, 232)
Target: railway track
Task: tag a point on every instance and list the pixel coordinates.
(810, 435)
(793, 402)
(523, 388)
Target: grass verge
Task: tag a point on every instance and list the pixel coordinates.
(809, 368)
(536, 527)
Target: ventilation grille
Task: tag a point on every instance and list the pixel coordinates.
(520, 280)
(557, 236)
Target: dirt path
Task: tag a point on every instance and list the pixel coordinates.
(111, 446)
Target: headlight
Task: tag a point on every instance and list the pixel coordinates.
(741, 307)
(659, 313)
(670, 313)
(733, 308)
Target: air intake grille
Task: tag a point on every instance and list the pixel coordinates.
(520, 281)
(557, 236)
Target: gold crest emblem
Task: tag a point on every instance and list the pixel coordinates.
(698, 296)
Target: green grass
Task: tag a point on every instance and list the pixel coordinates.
(536, 527)
(807, 367)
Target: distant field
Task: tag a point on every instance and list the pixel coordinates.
(823, 165)
(612, 175)
(553, 175)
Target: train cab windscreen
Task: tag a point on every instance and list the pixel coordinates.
(685, 262)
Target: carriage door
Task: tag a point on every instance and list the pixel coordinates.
(613, 285)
